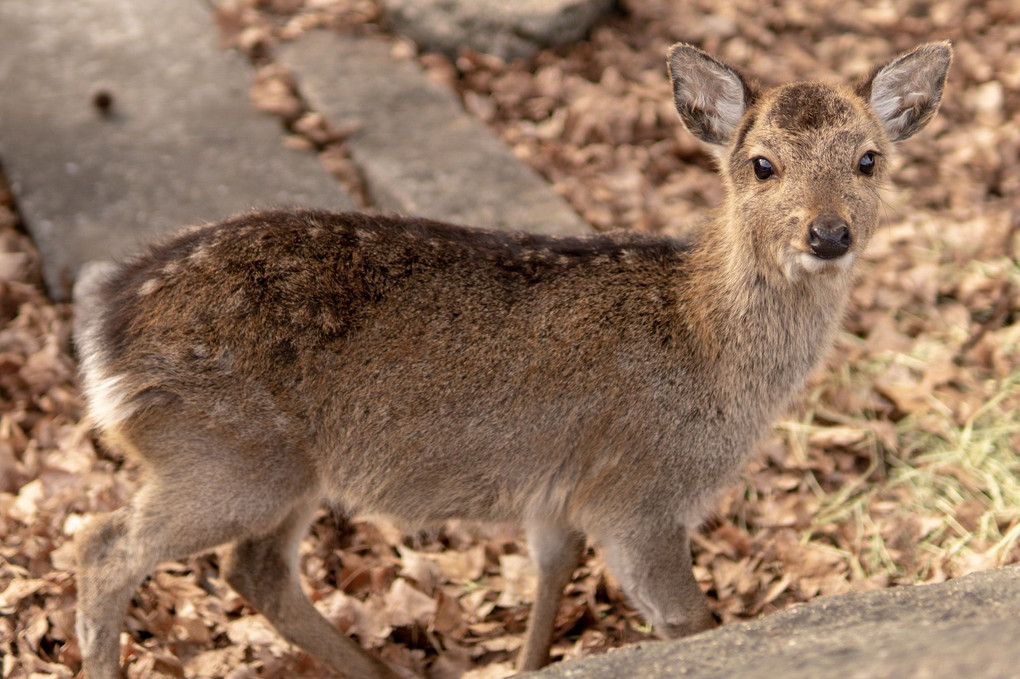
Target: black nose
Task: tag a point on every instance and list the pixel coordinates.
(829, 237)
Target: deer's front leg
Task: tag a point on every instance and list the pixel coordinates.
(653, 564)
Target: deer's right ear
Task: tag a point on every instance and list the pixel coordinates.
(710, 96)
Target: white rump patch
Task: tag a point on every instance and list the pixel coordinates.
(104, 393)
(107, 401)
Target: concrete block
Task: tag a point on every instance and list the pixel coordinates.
(121, 119)
(962, 628)
(419, 151)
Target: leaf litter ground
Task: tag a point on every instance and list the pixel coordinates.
(898, 464)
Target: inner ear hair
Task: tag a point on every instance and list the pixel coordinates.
(710, 96)
(906, 92)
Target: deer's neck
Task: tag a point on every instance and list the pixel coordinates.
(764, 332)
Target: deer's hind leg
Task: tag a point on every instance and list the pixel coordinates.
(557, 550)
(193, 500)
(264, 570)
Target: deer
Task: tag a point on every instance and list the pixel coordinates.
(605, 387)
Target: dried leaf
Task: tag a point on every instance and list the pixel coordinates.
(519, 580)
(406, 606)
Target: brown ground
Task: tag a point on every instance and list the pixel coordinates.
(899, 464)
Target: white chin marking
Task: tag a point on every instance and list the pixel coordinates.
(805, 264)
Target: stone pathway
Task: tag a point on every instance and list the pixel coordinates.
(966, 627)
(122, 119)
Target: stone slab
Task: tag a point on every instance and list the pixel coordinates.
(419, 151)
(509, 30)
(179, 144)
(966, 627)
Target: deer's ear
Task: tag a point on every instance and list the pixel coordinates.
(710, 96)
(906, 92)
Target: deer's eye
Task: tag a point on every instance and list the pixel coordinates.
(866, 165)
(762, 168)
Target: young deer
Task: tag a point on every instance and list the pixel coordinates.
(606, 386)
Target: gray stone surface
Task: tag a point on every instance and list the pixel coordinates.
(418, 150)
(510, 30)
(180, 144)
(965, 628)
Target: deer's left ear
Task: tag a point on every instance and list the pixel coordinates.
(906, 92)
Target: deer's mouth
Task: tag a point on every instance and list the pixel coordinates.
(800, 263)
(819, 262)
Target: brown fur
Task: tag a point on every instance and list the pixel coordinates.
(607, 386)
